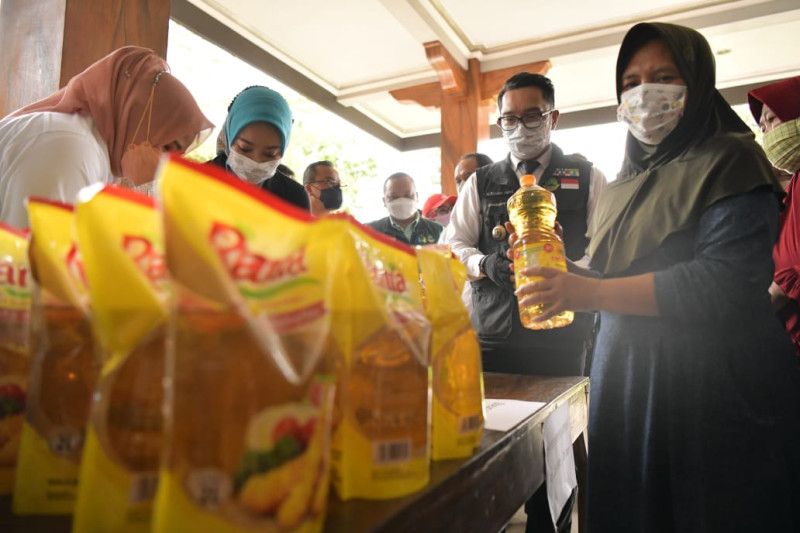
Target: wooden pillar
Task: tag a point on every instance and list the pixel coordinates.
(46, 42)
(463, 125)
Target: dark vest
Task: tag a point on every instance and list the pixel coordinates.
(426, 232)
(494, 306)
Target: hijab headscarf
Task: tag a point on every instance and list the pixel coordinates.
(664, 189)
(783, 97)
(256, 104)
(706, 112)
(115, 91)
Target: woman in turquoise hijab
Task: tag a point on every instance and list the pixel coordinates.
(254, 139)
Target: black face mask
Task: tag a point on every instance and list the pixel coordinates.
(331, 198)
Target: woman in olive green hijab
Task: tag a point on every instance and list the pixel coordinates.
(693, 421)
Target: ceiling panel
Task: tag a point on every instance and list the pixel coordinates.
(759, 52)
(342, 43)
(359, 49)
(403, 119)
(511, 21)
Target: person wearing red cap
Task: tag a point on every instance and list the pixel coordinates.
(776, 107)
(437, 207)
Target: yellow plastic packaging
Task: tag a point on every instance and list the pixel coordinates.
(382, 439)
(250, 399)
(63, 366)
(457, 423)
(15, 307)
(120, 238)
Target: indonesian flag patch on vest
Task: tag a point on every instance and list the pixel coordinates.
(569, 183)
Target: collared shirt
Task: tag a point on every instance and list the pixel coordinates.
(408, 231)
(465, 222)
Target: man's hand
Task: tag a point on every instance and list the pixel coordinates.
(498, 269)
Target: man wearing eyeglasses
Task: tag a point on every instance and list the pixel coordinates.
(324, 189)
(477, 236)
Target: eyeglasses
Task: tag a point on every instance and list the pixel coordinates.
(532, 120)
(329, 182)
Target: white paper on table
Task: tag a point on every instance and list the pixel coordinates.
(559, 461)
(502, 415)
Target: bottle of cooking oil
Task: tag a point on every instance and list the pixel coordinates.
(532, 210)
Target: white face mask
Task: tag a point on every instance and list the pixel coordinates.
(652, 110)
(251, 171)
(444, 220)
(527, 144)
(402, 208)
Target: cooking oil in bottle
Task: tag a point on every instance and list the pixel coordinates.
(532, 210)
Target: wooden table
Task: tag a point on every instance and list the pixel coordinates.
(478, 494)
(481, 493)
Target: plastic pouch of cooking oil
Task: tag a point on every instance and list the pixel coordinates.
(457, 423)
(63, 366)
(250, 395)
(121, 242)
(532, 211)
(382, 438)
(15, 307)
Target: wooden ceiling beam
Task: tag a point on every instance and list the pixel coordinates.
(428, 95)
(492, 81)
(464, 98)
(452, 77)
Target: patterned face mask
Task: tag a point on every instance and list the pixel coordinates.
(782, 145)
(652, 110)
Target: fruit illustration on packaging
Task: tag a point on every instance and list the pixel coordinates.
(282, 470)
(12, 408)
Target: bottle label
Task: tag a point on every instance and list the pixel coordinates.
(544, 254)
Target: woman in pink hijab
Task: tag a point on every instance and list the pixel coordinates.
(111, 122)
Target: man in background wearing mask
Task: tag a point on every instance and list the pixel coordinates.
(467, 166)
(404, 222)
(477, 236)
(324, 189)
(776, 107)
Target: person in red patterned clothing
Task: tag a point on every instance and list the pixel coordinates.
(776, 107)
